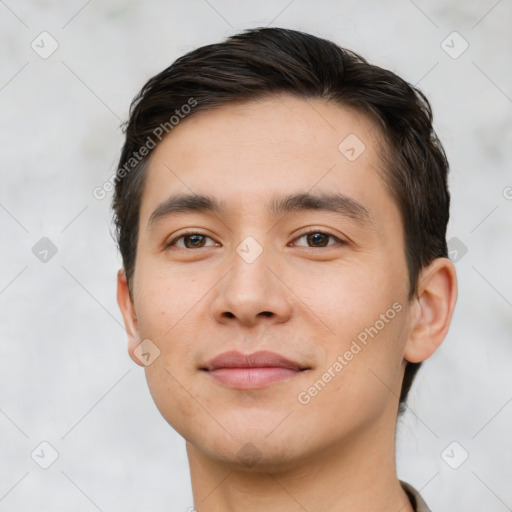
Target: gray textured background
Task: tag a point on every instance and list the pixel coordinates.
(66, 377)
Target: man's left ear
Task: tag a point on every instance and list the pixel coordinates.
(434, 304)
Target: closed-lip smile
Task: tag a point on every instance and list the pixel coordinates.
(251, 371)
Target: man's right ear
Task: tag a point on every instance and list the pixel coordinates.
(127, 308)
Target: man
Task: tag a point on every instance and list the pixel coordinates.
(281, 209)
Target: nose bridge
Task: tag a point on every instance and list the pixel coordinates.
(250, 290)
(249, 278)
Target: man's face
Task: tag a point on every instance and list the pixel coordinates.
(325, 288)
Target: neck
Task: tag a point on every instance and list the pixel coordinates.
(357, 474)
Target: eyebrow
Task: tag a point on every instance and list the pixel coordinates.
(337, 203)
(185, 203)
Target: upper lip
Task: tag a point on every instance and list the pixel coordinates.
(261, 359)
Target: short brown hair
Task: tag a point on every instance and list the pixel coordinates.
(264, 61)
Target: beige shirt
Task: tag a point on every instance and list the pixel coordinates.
(417, 501)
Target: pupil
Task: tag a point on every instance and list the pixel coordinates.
(195, 240)
(317, 239)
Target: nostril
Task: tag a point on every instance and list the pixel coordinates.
(228, 314)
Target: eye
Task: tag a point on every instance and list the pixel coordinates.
(318, 239)
(191, 241)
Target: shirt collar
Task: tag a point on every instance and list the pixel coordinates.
(417, 501)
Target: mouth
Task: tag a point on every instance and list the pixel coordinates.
(251, 371)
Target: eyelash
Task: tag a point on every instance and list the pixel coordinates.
(308, 232)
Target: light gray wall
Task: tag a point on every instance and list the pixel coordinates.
(66, 377)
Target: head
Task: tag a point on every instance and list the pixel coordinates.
(255, 138)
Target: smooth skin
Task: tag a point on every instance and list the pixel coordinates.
(304, 297)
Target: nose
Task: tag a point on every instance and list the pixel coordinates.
(251, 293)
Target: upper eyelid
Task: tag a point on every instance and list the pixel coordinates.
(316, 230)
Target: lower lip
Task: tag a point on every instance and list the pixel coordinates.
(251, 378)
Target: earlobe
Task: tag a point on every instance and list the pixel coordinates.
(127, 308)
(434, 305)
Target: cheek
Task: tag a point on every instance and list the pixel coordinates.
(350, 299)
(175, 404)
(363, 315)
(362, 370)
(164, 301)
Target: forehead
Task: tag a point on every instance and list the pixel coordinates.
(243, 152)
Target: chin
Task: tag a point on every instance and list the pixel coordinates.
(258, 455)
